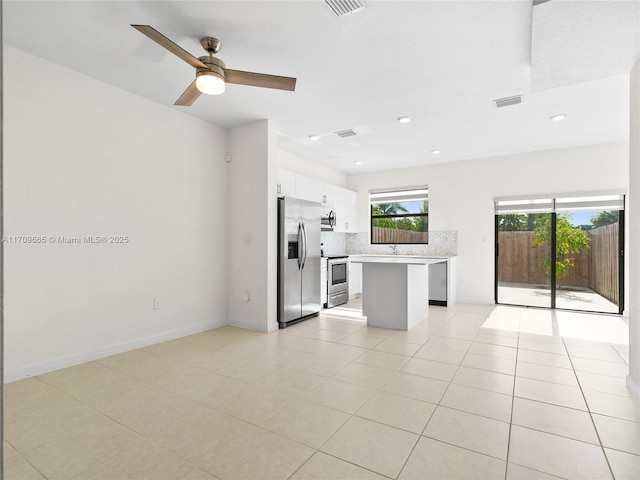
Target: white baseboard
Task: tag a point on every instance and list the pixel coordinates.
(69, 361)
(257, 327)
(633, 387)
(474, 301)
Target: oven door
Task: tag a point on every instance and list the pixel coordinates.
(337, 276)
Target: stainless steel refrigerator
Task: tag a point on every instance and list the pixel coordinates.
(298, 260)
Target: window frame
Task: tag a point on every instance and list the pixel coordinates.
(408, 192)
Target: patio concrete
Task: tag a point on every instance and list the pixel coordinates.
(538, 296)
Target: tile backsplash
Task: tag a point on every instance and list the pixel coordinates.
(441, 244)
(334, 243)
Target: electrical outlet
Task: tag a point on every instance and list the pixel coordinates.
(156, 304)
(246, 297)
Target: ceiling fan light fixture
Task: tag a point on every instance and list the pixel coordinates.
(210, 83)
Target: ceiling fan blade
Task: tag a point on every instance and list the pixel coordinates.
(259, 80)
(174, 48)
(189, 96)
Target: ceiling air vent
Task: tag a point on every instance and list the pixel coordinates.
(507, 101)
(346, 7)
(345, 133)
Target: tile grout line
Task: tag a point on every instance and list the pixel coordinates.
(173, 394)
(23, 458)
(513, 399)
(606, 458)
(354, 415)
(437, 405)
(115, 422)
(350, 415)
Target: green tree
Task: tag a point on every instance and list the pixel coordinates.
(391, 208)
(421, 224)
(513, 222)
(569, 241)
(410, 223)
(604, 218)
(382, 222)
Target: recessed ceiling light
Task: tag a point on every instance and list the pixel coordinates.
(435, 152)
(558, 117)
(357, 162)
(315, 138)
(404, 119)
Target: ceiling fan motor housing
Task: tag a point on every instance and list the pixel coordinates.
(214, 65)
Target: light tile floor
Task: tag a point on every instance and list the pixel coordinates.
(473, 392)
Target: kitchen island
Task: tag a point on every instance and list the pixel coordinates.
(395, 289)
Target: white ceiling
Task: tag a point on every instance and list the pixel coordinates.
(440, 62)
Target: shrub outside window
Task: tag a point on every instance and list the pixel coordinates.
(400, 217)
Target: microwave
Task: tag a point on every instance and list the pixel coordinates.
(328, 221)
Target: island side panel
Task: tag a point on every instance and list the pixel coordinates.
(452, 281)
(384, 295)
(417, 294)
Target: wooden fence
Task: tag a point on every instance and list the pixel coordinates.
(392, 235)
(520, 261)
(604, 259)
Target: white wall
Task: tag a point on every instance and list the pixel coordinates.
(633, 249)
(308, 168)
(461, 197)
(84, 158)
(253, 227)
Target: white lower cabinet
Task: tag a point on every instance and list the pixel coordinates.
(355, 280)
(323, 281)
(438, 283)
(442, 286)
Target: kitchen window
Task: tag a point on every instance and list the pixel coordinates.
(400, 216)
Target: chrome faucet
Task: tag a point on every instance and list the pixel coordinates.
(394, 248)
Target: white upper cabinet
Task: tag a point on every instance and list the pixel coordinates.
(313, 190)
(331, 197)
(346, 211)
(309, 189)
(328, 196)
(286, 183)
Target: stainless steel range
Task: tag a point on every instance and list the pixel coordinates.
(337, 280)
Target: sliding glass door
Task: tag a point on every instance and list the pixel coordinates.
(561, 253)
(520, 255)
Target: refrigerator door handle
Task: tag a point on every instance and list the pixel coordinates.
(300, 246)
(304, 242)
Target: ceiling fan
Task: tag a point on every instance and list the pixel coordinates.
(211, 73)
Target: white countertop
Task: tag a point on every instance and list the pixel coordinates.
(402, 259)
